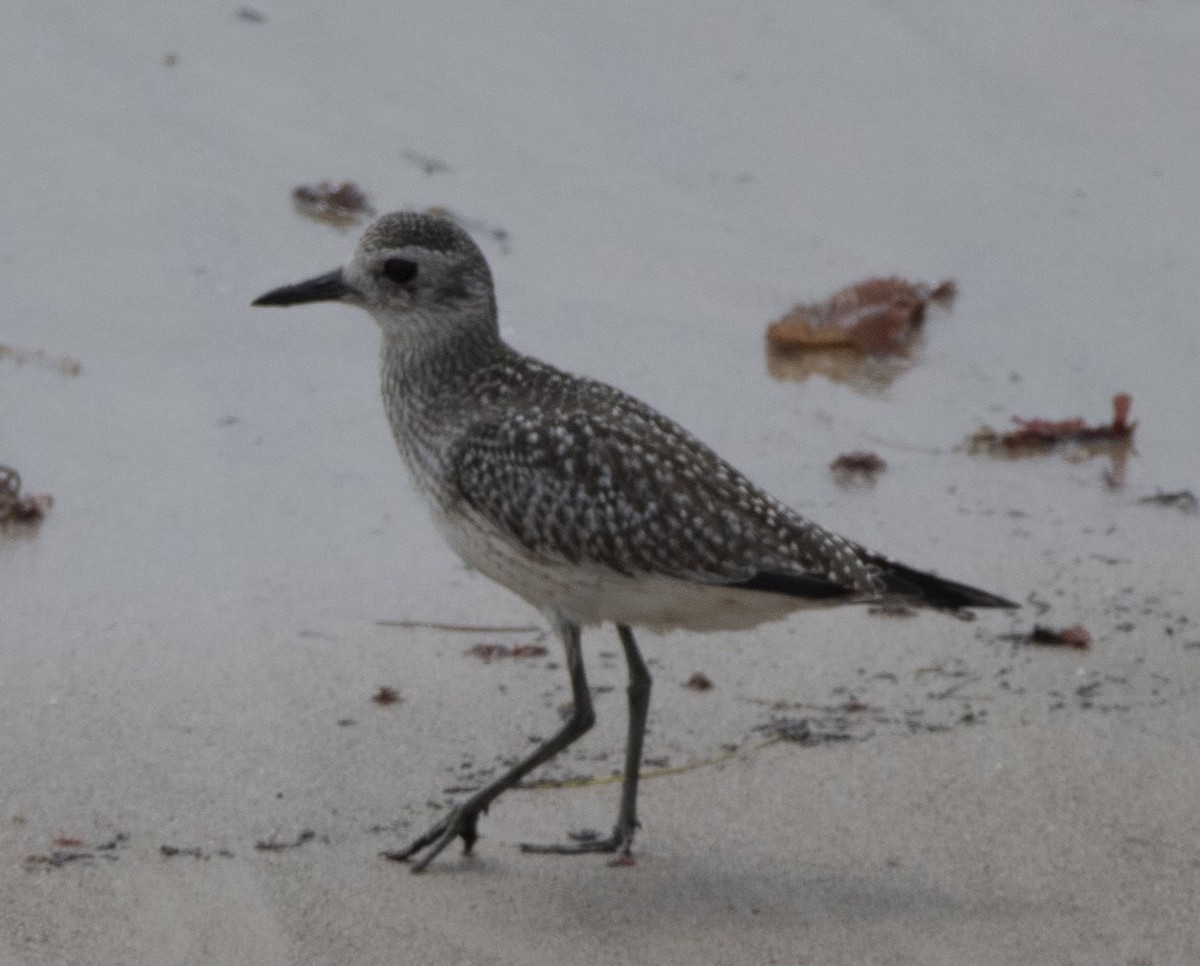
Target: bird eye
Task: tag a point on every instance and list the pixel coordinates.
(400, 270)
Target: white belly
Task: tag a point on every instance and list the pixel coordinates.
(591, 594)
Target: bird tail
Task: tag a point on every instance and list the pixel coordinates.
(934, 591)
(900, 583)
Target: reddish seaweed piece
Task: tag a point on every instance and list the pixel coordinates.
(1044, 432)
(876, 315)
(341, 205)
(1033, 435)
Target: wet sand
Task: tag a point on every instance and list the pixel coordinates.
(190, 642)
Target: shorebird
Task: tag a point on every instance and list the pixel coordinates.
(583, 500)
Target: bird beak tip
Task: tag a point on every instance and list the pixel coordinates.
(330, 287)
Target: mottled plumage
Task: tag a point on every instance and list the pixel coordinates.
(576, 471)
(577, 496)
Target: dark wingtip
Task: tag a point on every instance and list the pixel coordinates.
(937, 592)
(805, 586)
(900, 581)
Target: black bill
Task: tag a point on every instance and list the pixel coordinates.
(330, 287)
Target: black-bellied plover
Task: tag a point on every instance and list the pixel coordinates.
(583, 500)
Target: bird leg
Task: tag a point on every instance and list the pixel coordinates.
(621, 839)
(461, 820)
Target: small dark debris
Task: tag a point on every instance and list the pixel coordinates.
(385, 696)
(929, 727)
(891, 610)
(802, 732)
(15, 508)
(857, 467)
(73, 849)
(340, 205)
(274, 845)
(250, 15)
(490, 652)
(1183, 500)
(171, 851)
(346, 722)
(170, 59)
(699, 682)
(67, 365)
(876, 315)
(1039, 604)
(952, 690)
(940, 670)
(57, 859)
(396, 827)
(427, 164)
(1075, 636)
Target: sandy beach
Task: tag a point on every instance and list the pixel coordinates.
(194, 763)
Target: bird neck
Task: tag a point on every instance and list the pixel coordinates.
(437, 367)
(429, 393)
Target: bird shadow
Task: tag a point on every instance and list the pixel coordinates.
(704, 893)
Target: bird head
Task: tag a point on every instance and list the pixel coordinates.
(413, 272)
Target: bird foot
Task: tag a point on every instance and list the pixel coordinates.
(588, 842)
(459, 822)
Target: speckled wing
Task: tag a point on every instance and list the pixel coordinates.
(615, 483)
